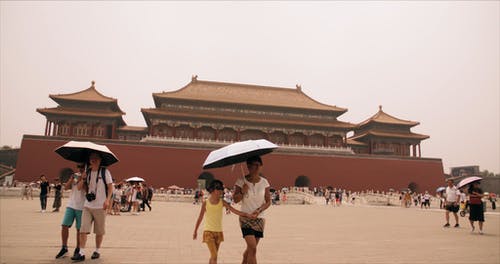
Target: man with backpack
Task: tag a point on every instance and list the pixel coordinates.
(98, 186)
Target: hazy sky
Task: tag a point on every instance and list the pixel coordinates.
(433, 62)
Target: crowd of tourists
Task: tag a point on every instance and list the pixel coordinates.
(93, 195)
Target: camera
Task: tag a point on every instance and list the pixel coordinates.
(90, 196)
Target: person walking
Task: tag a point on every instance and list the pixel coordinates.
(211, 210)
(98, 186)
(451, 203)
(44, 192)
(253, 192)
(73, 211)
(476, 206)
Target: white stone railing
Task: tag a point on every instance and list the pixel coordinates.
(283, 147)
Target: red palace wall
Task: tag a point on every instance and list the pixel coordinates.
(162, 166)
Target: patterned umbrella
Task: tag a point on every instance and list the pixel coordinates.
(468, 180)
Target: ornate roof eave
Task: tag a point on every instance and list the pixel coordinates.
(88, 95)
(57, 111)
(133, 129)
(339, 125)
(410, 136)
(382, 117)
(355, 143)
(314, 105)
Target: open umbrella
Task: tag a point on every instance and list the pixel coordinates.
(135, 179)
(468, 180)
(238, 152)
(79, 151)
(440, 189)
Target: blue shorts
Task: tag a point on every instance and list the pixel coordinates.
(70, 215)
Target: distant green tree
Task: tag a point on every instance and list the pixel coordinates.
(413, 187)
(207, 176)
(302, 181)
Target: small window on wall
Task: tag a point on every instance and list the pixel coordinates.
(99, 132)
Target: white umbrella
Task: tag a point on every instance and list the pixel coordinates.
(440, 189)
(79, 151)
(135, 179)
(238, 152)
(468, 180)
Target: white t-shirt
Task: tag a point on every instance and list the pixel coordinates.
(452, 194)
(76, 197)
(255, 197)
(100, 195)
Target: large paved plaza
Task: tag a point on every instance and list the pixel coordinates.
(294, 234)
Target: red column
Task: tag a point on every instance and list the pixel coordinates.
(195, 132)
(50, 128)
(216, 134)
(46, 127)
(151, 130)
(113, 131)
(419, 151)
(54, 130)
(238, 135)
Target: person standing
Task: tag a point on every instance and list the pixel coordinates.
(44, 192)
(476, 206)
(145, 198)
(98, 186)
(253, 192)
(451, 203)
(73, 211)
(57, 196)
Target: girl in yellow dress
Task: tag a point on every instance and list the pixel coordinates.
(212, 207)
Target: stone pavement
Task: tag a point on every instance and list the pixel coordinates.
(294, 234)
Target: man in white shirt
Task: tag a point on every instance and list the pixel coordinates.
(99, 191)
(451, 201)
(73, 211)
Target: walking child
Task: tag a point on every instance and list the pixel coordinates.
(212, 207)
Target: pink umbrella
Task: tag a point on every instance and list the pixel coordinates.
(468, 180)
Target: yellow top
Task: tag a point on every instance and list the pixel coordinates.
(213, 216)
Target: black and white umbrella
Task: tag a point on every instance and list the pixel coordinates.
(238, 152)
(79, 151)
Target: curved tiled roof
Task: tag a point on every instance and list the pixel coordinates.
(90, 94)
(247, 94)
(383, 117)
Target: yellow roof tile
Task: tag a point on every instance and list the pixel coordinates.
(247, 94)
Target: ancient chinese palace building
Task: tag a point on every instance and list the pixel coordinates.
(233, 112)
(186, 124)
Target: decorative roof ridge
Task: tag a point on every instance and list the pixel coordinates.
(381, 113)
